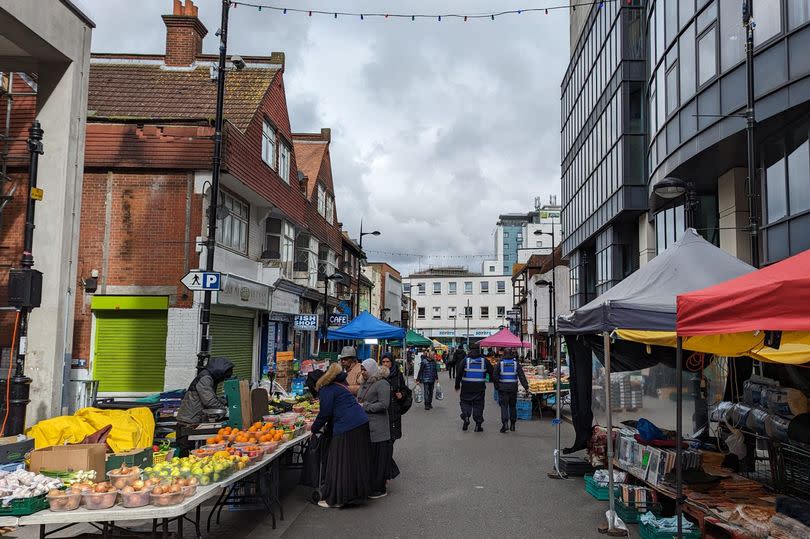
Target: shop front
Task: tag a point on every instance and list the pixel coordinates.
(235, 317)
(129, 343)
(277, 327)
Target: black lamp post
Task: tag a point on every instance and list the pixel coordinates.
(360, 262)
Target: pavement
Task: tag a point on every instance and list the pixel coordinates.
(452, 484)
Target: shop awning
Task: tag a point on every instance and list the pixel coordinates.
(366, 326)
(646, 298)
(504, 339)
(416, 339)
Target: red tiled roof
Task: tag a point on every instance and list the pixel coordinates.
(309, 157)
(147, 91)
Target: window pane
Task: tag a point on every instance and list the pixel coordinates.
(659, 33)
(732, 33)
(707, 60)
(798, 12)
(672, 89)
(660, 232)
(777, 203)
(799, 178)
(687, 9)
(687, 63)
(706, 17)
(671, 16)
(768, 18)
(680, 224)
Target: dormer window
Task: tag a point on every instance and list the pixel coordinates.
(284, 162)
(269, 147)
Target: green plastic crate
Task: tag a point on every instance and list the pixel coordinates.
(631, 513)
(600, 493)
(648, 532)
(24, 506)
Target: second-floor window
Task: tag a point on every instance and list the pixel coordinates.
(437, 288)
(451, 312)
(279, 239)
(468, 287)
(501, 312)
(484, 313)
(485, 287)
(321, 200)
(269, 145)
(284, 162)
(421, 289)
(437, 313)
(452, 290)
(330, 209)
(234, 227)
(420, 313)
(501, 287)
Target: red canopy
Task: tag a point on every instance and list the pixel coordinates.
(504, 339)
(775, 298)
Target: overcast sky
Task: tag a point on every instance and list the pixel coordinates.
(437, 127)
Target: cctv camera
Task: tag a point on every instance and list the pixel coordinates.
(237, 62)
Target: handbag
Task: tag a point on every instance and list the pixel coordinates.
(439, 393)
(406, 401)
(418, 395)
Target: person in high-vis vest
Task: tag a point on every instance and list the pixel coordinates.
(471, 378)
(505, 376)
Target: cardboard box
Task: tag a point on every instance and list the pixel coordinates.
(12, 450)
(142, 458)
(71, 458)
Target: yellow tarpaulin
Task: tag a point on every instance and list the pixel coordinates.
(131, 429)
(793, 350)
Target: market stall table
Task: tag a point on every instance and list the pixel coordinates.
(104, 519)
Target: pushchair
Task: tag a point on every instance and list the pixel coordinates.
(313, 472)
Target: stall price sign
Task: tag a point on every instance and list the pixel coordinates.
(305, 322)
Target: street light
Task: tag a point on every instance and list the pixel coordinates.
(362, 254)
(673, 188)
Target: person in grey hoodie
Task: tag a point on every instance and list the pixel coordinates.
(375, 396)
(201, 395)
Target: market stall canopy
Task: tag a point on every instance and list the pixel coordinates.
(416, 339)
(646, 298)
(504, 339)
(437, 345)
(366, 326)
(775, 298)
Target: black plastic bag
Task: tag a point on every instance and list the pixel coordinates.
(406, 401)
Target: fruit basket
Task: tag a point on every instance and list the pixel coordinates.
(100, 500)
(124, 476)
(131, 498)
(160, 498)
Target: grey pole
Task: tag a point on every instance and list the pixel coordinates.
(611, 497)
(679, 433)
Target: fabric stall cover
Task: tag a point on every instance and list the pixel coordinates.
(504, 339)
(366, 326)
(416, 339)
(131, 429)
(645, 300)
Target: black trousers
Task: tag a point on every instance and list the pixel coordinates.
(473, 406)
(451, 370)
(428, 387)
(508, 402)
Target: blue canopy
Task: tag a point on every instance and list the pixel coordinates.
(366, 326)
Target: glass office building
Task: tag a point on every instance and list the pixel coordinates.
(604, 186)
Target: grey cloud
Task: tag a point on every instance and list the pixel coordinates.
(437, 127)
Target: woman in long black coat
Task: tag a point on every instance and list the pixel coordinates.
(397, 382)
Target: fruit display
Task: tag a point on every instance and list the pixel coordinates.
(544, 385)
(136, 494)
(123, 476)
(253, 452)
(256, 433)
(102, 496)
(63, 500)
(163, 496)
(205, 470)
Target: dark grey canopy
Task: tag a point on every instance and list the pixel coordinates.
(646, 299)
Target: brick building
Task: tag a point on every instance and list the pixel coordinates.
(146, 187)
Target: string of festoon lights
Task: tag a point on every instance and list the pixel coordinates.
(414, 16)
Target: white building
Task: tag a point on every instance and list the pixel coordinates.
(515, 239)
(442, 294)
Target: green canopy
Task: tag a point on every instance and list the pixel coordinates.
(415, 339)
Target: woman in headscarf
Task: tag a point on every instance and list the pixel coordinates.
(375, 396)
(347, 466)
(397, 382)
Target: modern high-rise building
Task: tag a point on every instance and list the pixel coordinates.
(603, 181)
(515, 239)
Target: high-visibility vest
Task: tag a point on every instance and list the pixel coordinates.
(508, 371)
(474, 370)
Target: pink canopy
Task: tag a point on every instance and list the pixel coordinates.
(504, 339)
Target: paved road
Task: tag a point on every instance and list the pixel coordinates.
(460, 484)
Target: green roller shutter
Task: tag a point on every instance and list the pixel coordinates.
(130, 350)
(232, 337)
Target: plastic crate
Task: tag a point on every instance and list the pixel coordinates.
(524, 404)
(631, 513)
(495, 395)
(600, 493)
(648, 532)
(24, 506)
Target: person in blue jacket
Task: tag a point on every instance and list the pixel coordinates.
(348, 473)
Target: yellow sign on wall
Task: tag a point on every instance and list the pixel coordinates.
(284, 356)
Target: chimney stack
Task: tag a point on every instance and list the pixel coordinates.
(184, 34)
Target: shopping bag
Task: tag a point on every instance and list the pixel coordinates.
(418, 396)
(406, 401)
(439, 393)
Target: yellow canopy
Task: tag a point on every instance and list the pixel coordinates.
(439, 346)
(793, 350)
(131, 429)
